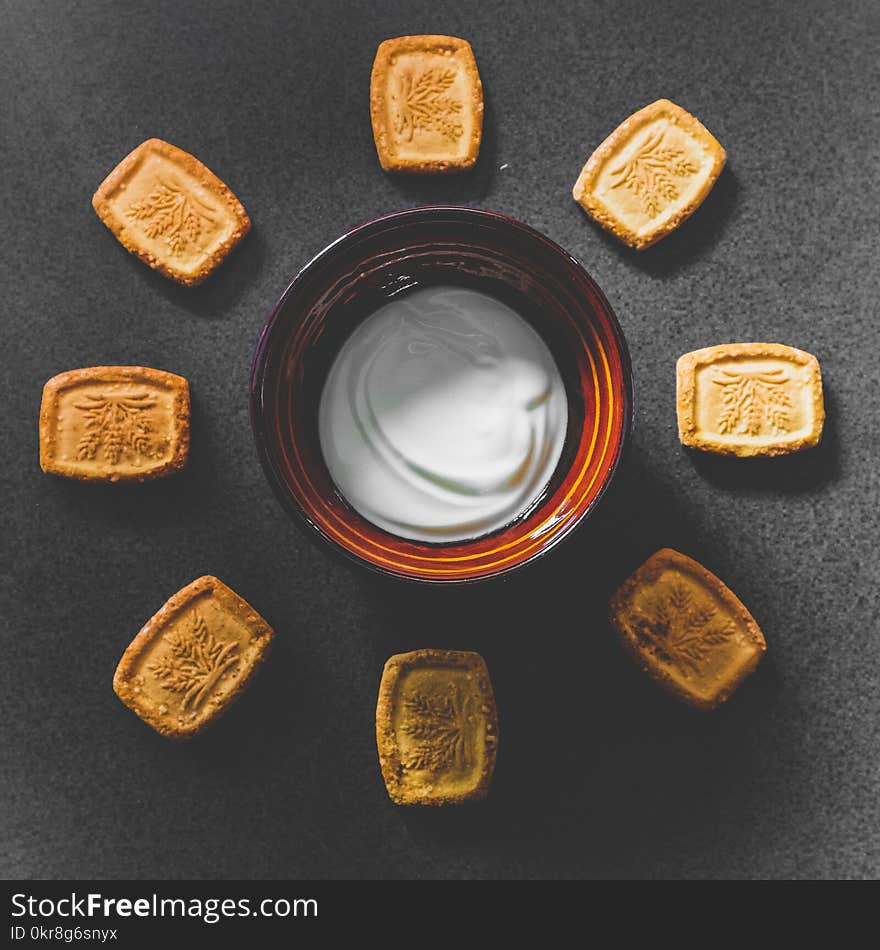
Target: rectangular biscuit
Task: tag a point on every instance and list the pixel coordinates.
(171, 211)
(426, 104)
(436, 727)
(650, 174)
(192, 659)
(114, 424)
(686, 629)
(749, 399)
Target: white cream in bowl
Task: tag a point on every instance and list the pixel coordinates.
(443, 415)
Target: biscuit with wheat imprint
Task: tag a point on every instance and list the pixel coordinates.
(426, 104)
(686, 629)
(171, 211)
(436, 727)
(114, 424)
(650, 174)
(749, 399)
(192, 659)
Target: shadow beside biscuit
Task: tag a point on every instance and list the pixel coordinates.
(688, 243)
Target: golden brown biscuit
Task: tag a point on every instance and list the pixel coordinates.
(650, 174)
(436, 727)
(749, 399)
(686, 629)
(426, 103)
(171, 211)
(114, 424)
(192, 659)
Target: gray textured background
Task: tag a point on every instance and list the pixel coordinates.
(598, 773)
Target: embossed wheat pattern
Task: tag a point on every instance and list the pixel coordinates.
(437, 724)
(683, 627)
(168, 214)
(115, 425)
(752, 400)
(650, 174)
(195, 662)
(425, 107)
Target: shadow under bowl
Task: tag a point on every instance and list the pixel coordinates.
(423, 247)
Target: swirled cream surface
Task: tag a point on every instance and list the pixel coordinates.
(443, 415)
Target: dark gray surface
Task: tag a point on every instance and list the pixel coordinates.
(598, 773)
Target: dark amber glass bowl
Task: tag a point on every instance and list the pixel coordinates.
(356, 275)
